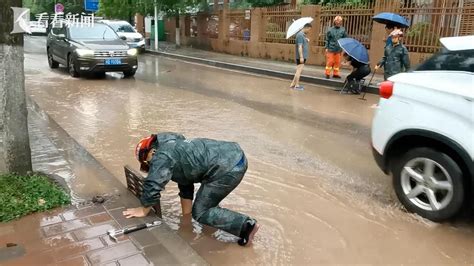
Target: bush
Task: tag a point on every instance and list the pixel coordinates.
(423, 34)
(21, 195)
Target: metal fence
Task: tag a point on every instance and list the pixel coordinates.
(239, 24)
(357, 20)
(433, 20)
(276, 21)
(430, 20)
(212, 28)
(467, 19)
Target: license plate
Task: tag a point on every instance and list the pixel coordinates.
(113, 61)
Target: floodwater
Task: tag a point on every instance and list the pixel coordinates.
(311, 183)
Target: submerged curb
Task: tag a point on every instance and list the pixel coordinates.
(268, 72)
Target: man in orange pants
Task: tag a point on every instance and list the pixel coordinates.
(333, 50)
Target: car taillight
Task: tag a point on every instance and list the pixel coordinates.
(386, 89)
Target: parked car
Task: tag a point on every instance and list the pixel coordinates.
(423, 132)
(90, 49)
(38, 28)
(124, 29)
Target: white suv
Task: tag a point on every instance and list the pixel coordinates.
(123, 29)
(423, 132)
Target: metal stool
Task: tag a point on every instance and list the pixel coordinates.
(360, 85)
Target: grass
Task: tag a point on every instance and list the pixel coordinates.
(21, 195)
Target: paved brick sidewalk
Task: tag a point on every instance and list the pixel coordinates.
(76, 235)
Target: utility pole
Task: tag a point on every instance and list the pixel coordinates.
(15, 154)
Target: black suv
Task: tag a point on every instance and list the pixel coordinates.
(92, 48)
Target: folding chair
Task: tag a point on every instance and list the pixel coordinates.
(359, 83)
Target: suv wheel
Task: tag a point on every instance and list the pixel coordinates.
(71, 66)
(51, 62)
(429, 183)
(129, 73)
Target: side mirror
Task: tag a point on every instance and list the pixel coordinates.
(123, 38)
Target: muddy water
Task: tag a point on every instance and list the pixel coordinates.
(311, 182)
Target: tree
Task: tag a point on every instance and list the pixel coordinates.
(124, 9)
(263, 3)
(177, 7)
(37, 7)
(15, 154)
(121, 9)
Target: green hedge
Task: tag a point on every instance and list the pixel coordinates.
(21, 195)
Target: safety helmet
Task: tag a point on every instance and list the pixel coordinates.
(141, 151)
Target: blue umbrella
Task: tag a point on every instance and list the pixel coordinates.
(355, 49)
(391, 18)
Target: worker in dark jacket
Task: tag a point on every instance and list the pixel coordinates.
(359, 71)
(218, 165)
(333, 50)
(389, 28)
(396, 58)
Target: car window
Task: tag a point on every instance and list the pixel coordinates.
(122, 27)
(98, 31)
(57, 30)
(450, 60)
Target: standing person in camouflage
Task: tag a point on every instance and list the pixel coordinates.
(218, 165)
(396, 58)
(333, 50)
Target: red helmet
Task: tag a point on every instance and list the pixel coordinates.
(142, 149)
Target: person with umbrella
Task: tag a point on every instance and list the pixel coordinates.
(392, 22)
(360, 71)
(357, 56)
(301, 54)
(396, 58)
(218, 165)
(333, 50)
(389, 28)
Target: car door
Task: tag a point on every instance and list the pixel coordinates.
(52, 40)
(62, 45)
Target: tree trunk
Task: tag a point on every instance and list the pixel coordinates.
(15, 155)
(131, 18)
(178, 31)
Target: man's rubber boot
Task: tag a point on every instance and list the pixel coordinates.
(248, 232)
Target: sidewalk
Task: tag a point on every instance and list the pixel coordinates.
(76, 234)
(311, 74)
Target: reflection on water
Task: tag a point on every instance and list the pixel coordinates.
(311, 182)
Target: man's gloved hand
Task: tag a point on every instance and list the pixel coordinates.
(136, 212)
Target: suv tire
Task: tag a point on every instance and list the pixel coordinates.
(429, 183)
(129, 73)
(51, 62)
(71, 66)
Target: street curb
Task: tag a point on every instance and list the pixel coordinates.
(267, 72)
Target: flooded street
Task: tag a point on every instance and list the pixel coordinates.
(312, 182)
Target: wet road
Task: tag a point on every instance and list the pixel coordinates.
(311, 182)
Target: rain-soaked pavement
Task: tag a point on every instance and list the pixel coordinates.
(311, 183)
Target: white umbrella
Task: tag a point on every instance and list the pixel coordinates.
(297, 25)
